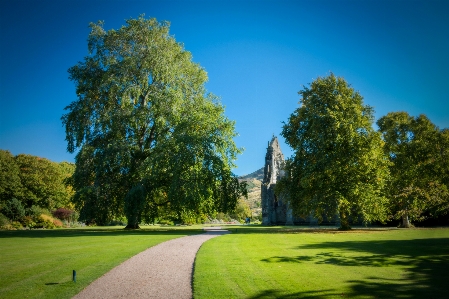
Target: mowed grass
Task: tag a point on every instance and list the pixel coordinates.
(303, 263)
(39, 263)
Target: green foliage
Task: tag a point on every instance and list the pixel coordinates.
(10, 183)
(419, 153)
(165, 222)
(14, 210)
(143, 118)
(4, 221)
(338, 164)
(95, 207)
(35, 181)
(43, 182)
(36, 211)
(241, 211)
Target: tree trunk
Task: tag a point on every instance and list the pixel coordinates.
(344, 221)
(405, 221)
(132, 226)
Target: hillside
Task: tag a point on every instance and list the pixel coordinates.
(254, 182)
(258, 175)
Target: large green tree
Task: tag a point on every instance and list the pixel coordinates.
(419, 153)
(10, 183)
(150, 137)
(338, 166)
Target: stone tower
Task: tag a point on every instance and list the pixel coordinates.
(274, 210)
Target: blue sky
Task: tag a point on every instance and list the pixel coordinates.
(258, 55)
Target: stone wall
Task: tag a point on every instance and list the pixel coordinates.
(274, 209)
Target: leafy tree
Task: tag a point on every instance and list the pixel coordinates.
(241, 211)
(338, 165)
(10, 183)
(150, 139)
(419, 153)
(66, 171)
(43, 182)
(14, 209)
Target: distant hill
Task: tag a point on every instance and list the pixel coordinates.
(254, 182)
(258, 175)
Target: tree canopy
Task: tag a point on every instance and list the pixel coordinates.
(419, 153)
(29, 183)
(10, 183)
(151, 140)
(338, 165)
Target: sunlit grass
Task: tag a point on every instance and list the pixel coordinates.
(39, 263)
(260, 262)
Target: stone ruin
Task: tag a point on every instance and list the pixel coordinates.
(274, 209)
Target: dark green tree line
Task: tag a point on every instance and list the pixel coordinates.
(34, 181)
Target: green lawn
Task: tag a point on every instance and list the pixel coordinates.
(252, 262)
(39, 263)
(298, 263)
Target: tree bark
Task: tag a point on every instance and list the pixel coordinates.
(344, 221)
(132, 226)
(405, 221)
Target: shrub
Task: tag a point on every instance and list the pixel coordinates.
(35, 212)
(63, 213)
(57, 222)
(4, 221)
(28, 221)
(116, 222)
(45, 221)
(14, 210)
(16, 225)
(165, 222)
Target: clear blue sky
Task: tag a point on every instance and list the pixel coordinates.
(258, 55)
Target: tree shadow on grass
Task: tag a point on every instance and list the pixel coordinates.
(288, 259)
(425, 263)
(97, 232)
(279, 294)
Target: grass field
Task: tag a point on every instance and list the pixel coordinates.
(39, 263)
(299, 263)
(252, 262)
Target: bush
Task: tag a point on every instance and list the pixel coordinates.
(28, 221)
(63, 214)
(16, 225)
(35, 212)
(116, 222)
(4, 221)
(165, 222)
(14, 210)
(45, 221)
(57, 222)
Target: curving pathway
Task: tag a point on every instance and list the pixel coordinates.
(162, 271)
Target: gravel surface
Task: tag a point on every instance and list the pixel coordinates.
(162, 271)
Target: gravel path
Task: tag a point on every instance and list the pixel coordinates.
(162, 271)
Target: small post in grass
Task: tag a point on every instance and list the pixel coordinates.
(74, 276)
